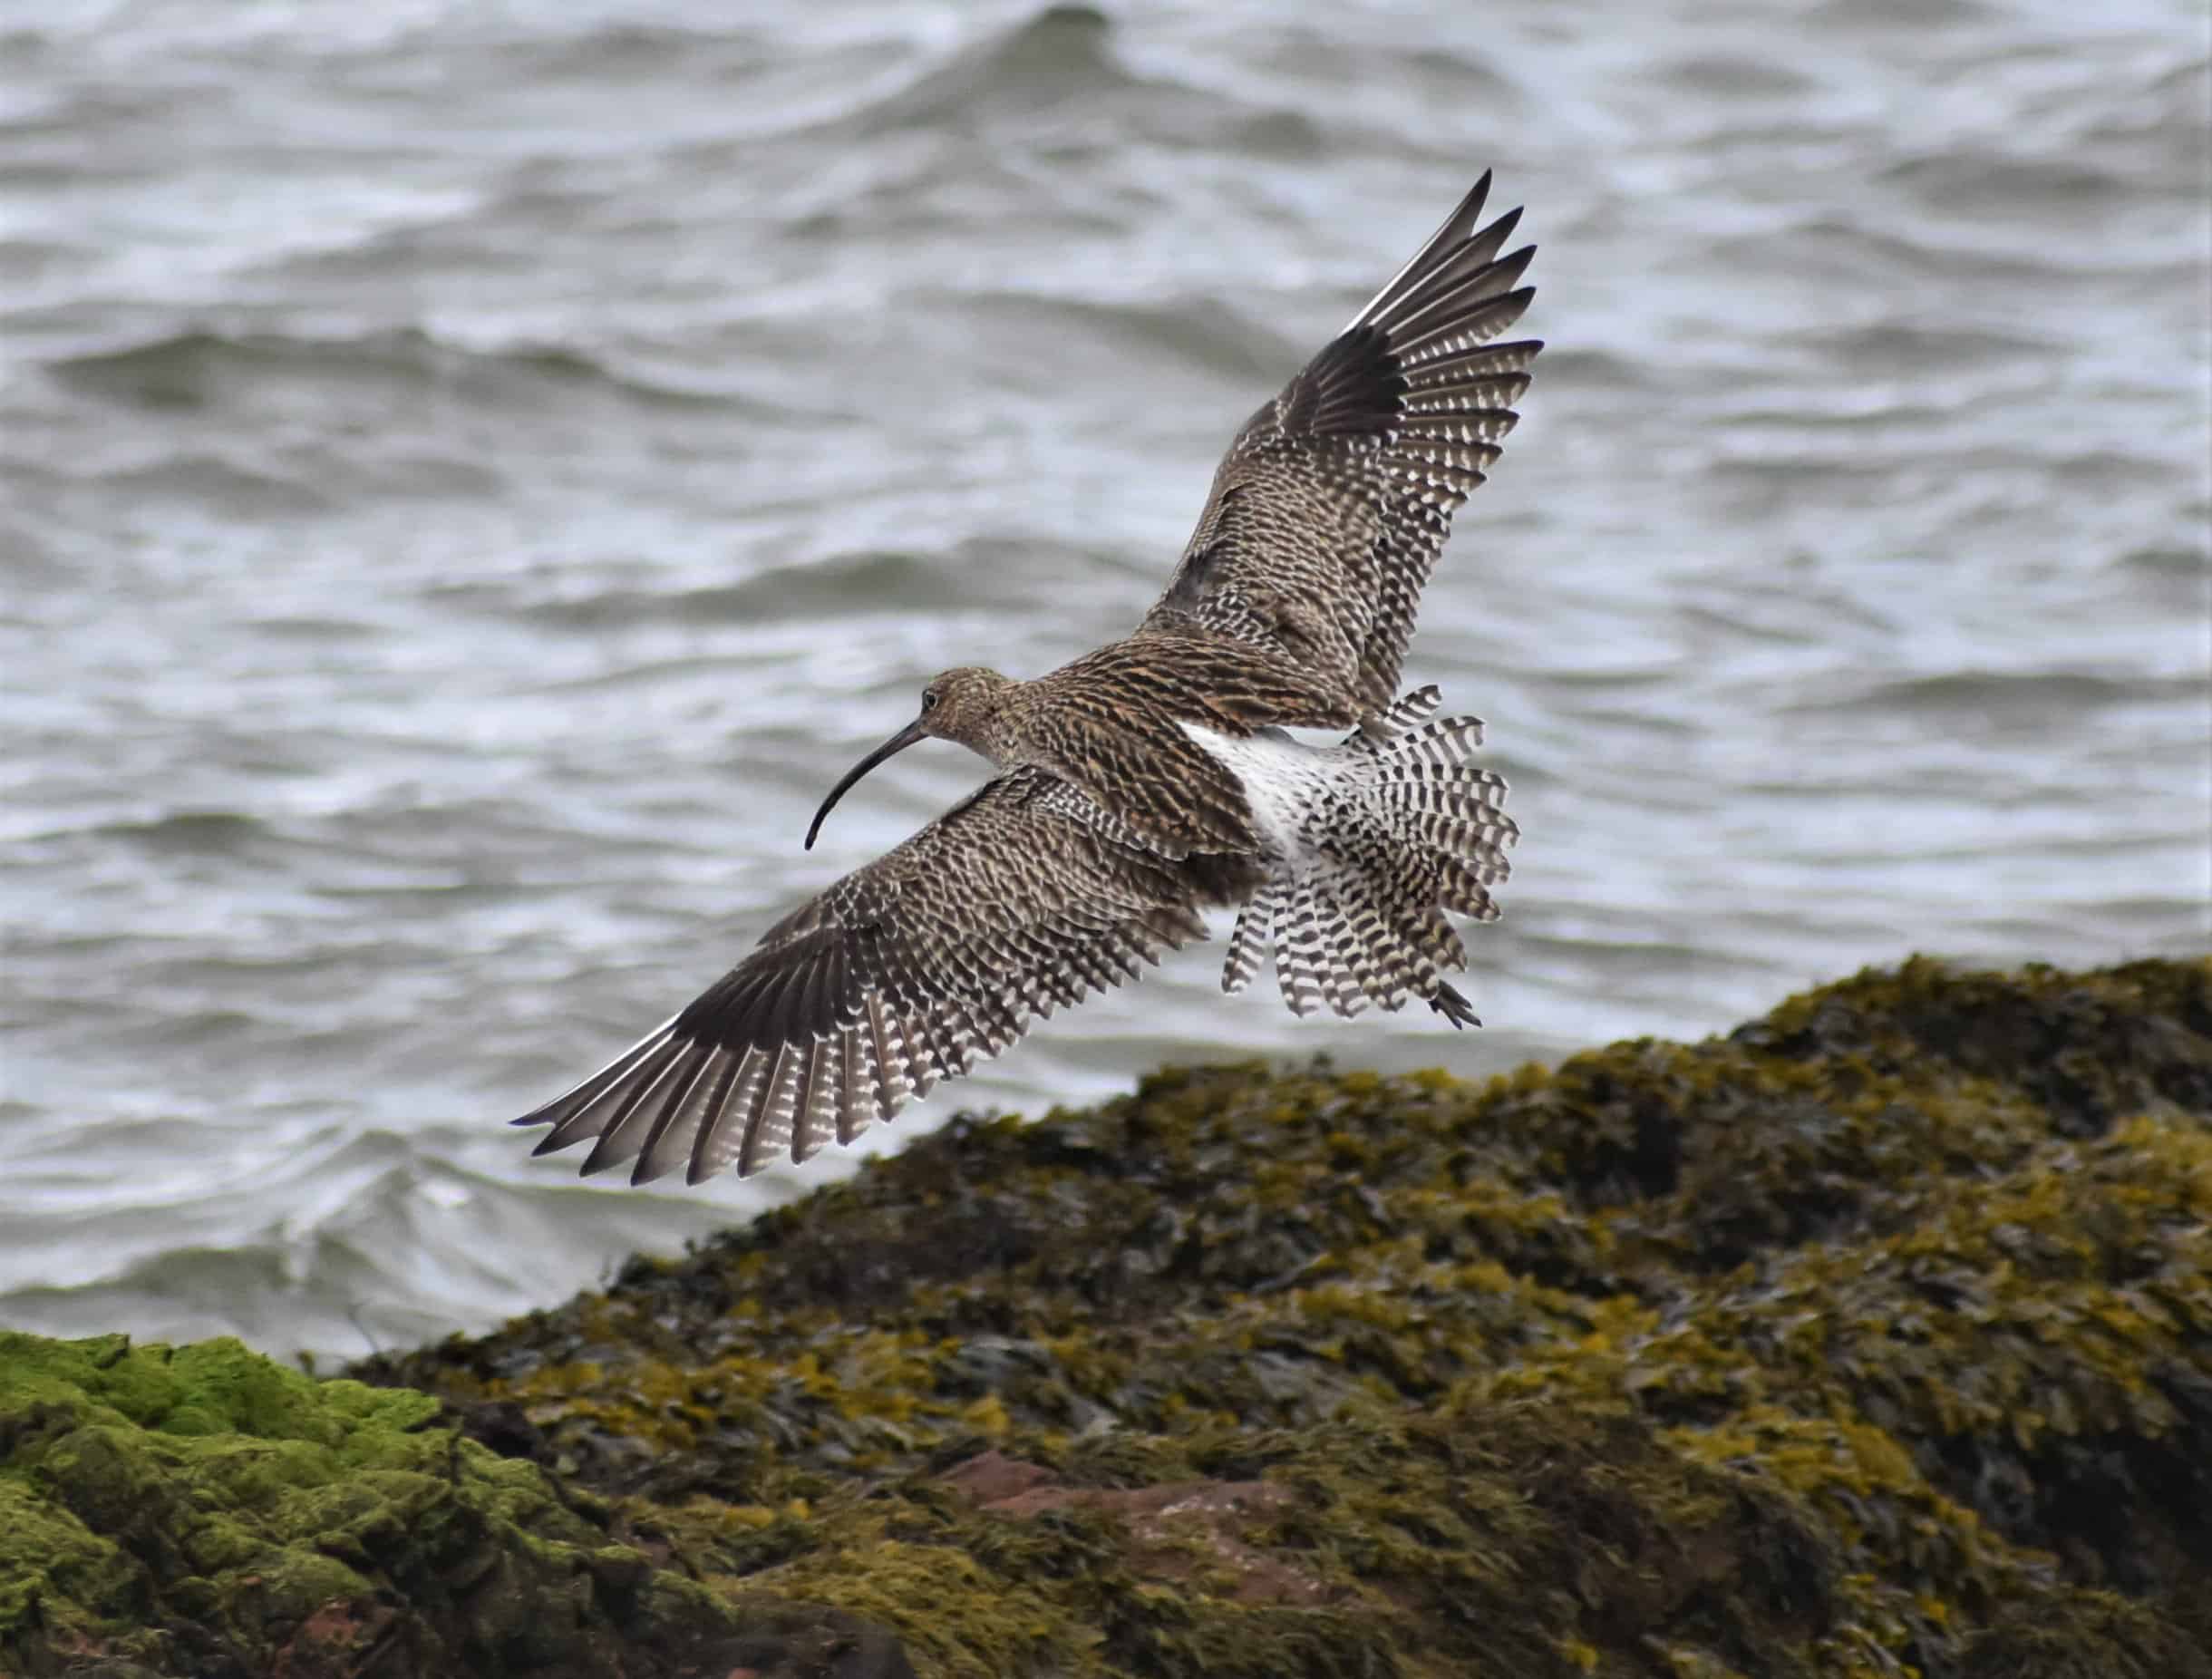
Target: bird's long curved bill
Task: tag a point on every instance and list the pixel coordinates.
(897, 744)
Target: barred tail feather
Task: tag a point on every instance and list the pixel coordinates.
(1359, 919)
(1301, 956)
(1408, 712)
(1452, 812)
(1249, 943)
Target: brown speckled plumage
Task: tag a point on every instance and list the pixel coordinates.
(1151, 780)
(1331, 508)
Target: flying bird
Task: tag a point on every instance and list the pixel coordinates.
(1154, 779)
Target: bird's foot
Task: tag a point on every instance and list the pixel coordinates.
(1454, 1007)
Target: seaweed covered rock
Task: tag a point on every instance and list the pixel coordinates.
(201, 1510)
(1874, 1338)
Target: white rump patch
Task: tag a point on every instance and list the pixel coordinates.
(1289, 784)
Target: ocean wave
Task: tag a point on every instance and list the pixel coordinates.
(1060, 54)
(1735, 77)
(2012, 699)
(197, 367)
(2001, 185)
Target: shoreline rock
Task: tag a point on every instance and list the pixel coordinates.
(1872, 1338)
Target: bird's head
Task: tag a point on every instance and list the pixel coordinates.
(964, 705)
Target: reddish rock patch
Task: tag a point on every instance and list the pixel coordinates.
(1163, 1521)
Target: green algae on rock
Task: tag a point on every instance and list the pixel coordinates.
(1874, 1338)
(201, 1510)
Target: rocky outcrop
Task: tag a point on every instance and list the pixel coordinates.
(1874, 1338)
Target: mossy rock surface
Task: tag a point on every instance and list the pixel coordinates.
(201, 1510)
(1873, 1338)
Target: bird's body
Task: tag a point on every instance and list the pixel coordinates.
(1153, 778)
(1115, 723)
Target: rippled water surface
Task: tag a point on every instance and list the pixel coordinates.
(470, 477)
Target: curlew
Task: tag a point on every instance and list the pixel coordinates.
(1154, 779)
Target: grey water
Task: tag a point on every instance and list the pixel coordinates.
(470, 477)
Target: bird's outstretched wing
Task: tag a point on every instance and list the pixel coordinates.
(1024, 898)
(1330, 508)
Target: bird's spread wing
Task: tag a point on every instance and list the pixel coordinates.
(1330, 510)
(1024, 898)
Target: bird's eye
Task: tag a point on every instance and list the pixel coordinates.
(929, 699)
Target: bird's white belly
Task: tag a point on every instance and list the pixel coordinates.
(1289, 785)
